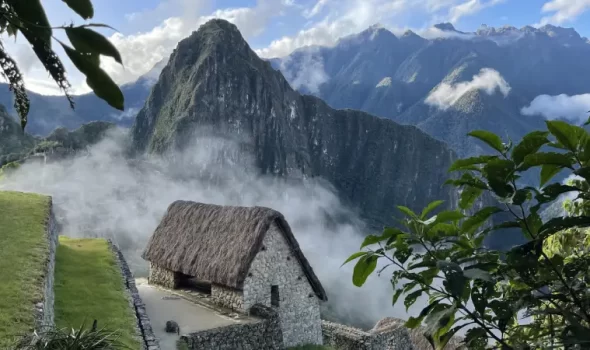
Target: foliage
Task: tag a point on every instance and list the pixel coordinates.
(482, 291)
(29, 19)
(74, 339)
(23, 256)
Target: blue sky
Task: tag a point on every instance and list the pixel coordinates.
(148, 30)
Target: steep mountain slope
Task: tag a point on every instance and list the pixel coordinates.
(377, 72)
(12, 138)
(213, 79)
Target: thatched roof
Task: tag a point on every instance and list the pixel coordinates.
(218, 243)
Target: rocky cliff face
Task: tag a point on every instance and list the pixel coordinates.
(213, 79)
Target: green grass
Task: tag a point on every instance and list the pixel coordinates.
(23, 252)
(88, 286)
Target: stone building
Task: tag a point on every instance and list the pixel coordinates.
(242, 256)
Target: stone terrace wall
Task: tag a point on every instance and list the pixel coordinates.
(344, 337)
(263, 335)
(143, 325)
(45, 308)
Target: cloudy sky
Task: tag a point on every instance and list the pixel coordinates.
(148, 30)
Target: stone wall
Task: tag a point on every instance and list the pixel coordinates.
(143, 325)
(163, 277)
(45, 308)
(299, 307)
(227, 297)
(343, 337)
(263, 335)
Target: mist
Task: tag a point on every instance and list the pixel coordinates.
(101, 193)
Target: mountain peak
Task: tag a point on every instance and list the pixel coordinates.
(445, 27)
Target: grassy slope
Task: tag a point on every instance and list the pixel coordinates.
(23, 251)
(88, 286)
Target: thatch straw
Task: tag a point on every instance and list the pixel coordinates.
(218, 243)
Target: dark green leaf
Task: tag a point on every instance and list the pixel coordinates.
(490, 138)
(548, 171)
(498, 173)
(102, 85)
(583, 172)
(430, 207)
(446, 337)
(83, 8)
(354, 256)
(396, 296)
(474, 222)
(567, 134)
(461, 164)
(559, 224)
(530, 144)
(32, 13)
(411, 298)
(439, 317)
(413, 322)
(370, 239)
(533, 224)
(468, 196)
(467, 180)
(562, 160)
(88, 41)
(363, 269)
(476, 338)
(455, 281)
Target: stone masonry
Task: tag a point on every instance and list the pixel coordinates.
(227, 297)
(143, 326)
(298, 306)
(343, 337)
(163, 277)
(263, 335)
(45, 308)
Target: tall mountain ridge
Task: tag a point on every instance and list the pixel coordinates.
(213, 79)
(392, 76)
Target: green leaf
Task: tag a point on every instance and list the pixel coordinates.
(88, 41)
(446, 337)
(363, 269)
(371, 239)
(548, 171)
(472, 223)
(407, 211)
(530, 144)
(83, 8)
(411, 298)
(562, 160)
(490, 138)
(448, 215)
(430, 207)
(99, 81)
(455, 281)
(354, 256)
(521, 196)
(498, 173)
(467, 180)
(439, 317)
(461, 164)
(413, 322)
(468, 196)
(476, 273)
(567, 134)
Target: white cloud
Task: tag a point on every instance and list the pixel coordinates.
(563, 10)
(309, 13)
(488, 80)
(469, 7)
(574, 107)
(309, 73)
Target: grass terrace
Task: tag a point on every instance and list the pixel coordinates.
(89, 286)
(24, 249)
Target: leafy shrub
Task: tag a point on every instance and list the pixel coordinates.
(487, 292)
